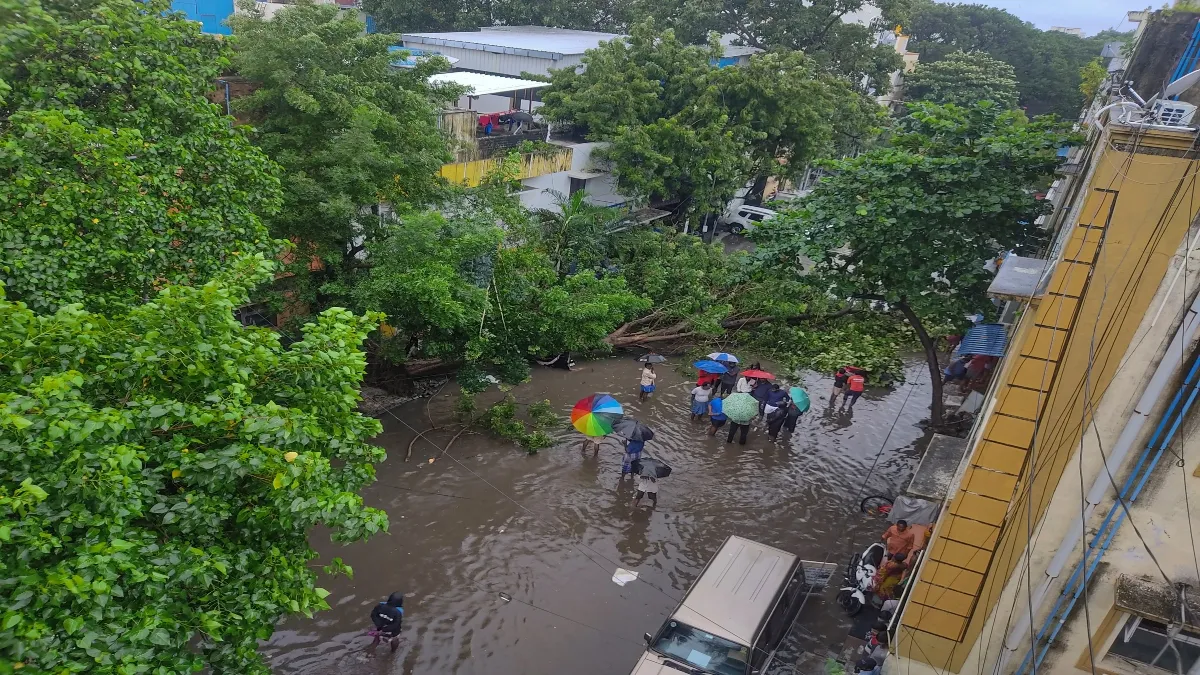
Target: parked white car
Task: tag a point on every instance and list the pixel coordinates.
(743, 218)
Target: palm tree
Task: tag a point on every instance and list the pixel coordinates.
(575, 230)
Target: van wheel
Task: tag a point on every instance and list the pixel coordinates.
(737, 228)
(849, 603)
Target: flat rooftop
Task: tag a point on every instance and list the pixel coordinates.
(478, 84)
(524, 40)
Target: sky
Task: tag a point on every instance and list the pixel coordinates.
(1090, 15)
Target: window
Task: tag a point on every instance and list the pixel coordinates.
(756, 217)
(1143, 642)
(706, 651)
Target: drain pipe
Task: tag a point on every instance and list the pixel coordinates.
(1066, 548)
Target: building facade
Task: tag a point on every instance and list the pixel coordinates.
(1067, 542)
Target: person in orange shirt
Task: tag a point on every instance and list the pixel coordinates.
(899, 538)
(855, 384)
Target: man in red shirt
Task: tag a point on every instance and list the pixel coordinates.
(855, 385)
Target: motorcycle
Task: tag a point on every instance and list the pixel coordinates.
(860, 578)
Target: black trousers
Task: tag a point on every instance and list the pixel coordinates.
(773, 426)
(726, 389)
(734, 427)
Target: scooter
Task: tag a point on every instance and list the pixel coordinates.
(860, 578)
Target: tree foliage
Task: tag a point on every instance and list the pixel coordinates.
(460, 287)
(1046, 63)
(117, 175)
(679, 126)
(1091, 76)
(349, 130)
(963, 79)
(160, 473)
(911, 225)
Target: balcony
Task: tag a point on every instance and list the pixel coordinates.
(539, 162)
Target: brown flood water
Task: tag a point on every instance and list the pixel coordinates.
(456, 543)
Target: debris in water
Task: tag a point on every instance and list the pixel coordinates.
(505, 597)
(623, 576)
(431, 459)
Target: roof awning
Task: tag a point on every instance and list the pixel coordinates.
(1018, 279)
(479, 84)
(989, 339)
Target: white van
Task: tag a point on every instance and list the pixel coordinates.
(743, 218)
(732, 618)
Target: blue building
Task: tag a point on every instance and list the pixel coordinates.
(210, 13)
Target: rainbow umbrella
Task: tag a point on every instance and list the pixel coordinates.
(594, 415)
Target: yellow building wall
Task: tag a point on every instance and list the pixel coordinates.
(471, 174)
(1114, 260)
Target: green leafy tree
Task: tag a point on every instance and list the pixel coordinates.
(161, 471)
(1047, 63)
(909, 226)
(681, 127)
(1091, 76)
(350, 131)
(575, 231)
(458, 289)
(117, 175)
(830, 32)
(963, 78)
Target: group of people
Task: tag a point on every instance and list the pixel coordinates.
(968, 370)
(775, 406)
(850, 383)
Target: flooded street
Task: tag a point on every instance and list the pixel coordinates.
(548, 530)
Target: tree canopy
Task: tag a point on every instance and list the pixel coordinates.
(911, 224)
(117, 175)
(162, 470)
(350, 131)
(1047, 63)
(679, 126)
(963, 79)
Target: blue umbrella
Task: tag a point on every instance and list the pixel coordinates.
(723, 356)
(710, 367)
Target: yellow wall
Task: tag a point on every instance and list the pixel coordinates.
(1112, 265)
(532, 165)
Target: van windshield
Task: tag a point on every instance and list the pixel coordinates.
(704, 650)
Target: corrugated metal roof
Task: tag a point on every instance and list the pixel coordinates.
(478, 84)
(989, 339)
(539, 41)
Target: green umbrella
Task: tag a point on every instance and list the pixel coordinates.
(800, 398)
(740, 408)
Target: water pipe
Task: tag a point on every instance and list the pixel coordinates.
(1133, 427)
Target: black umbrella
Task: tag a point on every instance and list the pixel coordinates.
(632, 429)
(652, 358)
(661, 469)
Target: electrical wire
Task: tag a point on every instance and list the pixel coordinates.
(1033, 467)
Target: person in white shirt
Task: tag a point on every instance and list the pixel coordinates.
(648, 377)
(700, 398)
(745, 385)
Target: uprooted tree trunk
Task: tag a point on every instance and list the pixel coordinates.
(643, 331)
(931, 358)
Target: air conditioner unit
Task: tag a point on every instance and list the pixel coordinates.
(1173, 113)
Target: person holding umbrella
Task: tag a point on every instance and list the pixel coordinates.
(649, 471)
(728, 380)
(636, 434)
(739, 408)
(647, 381)
(799, 406)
